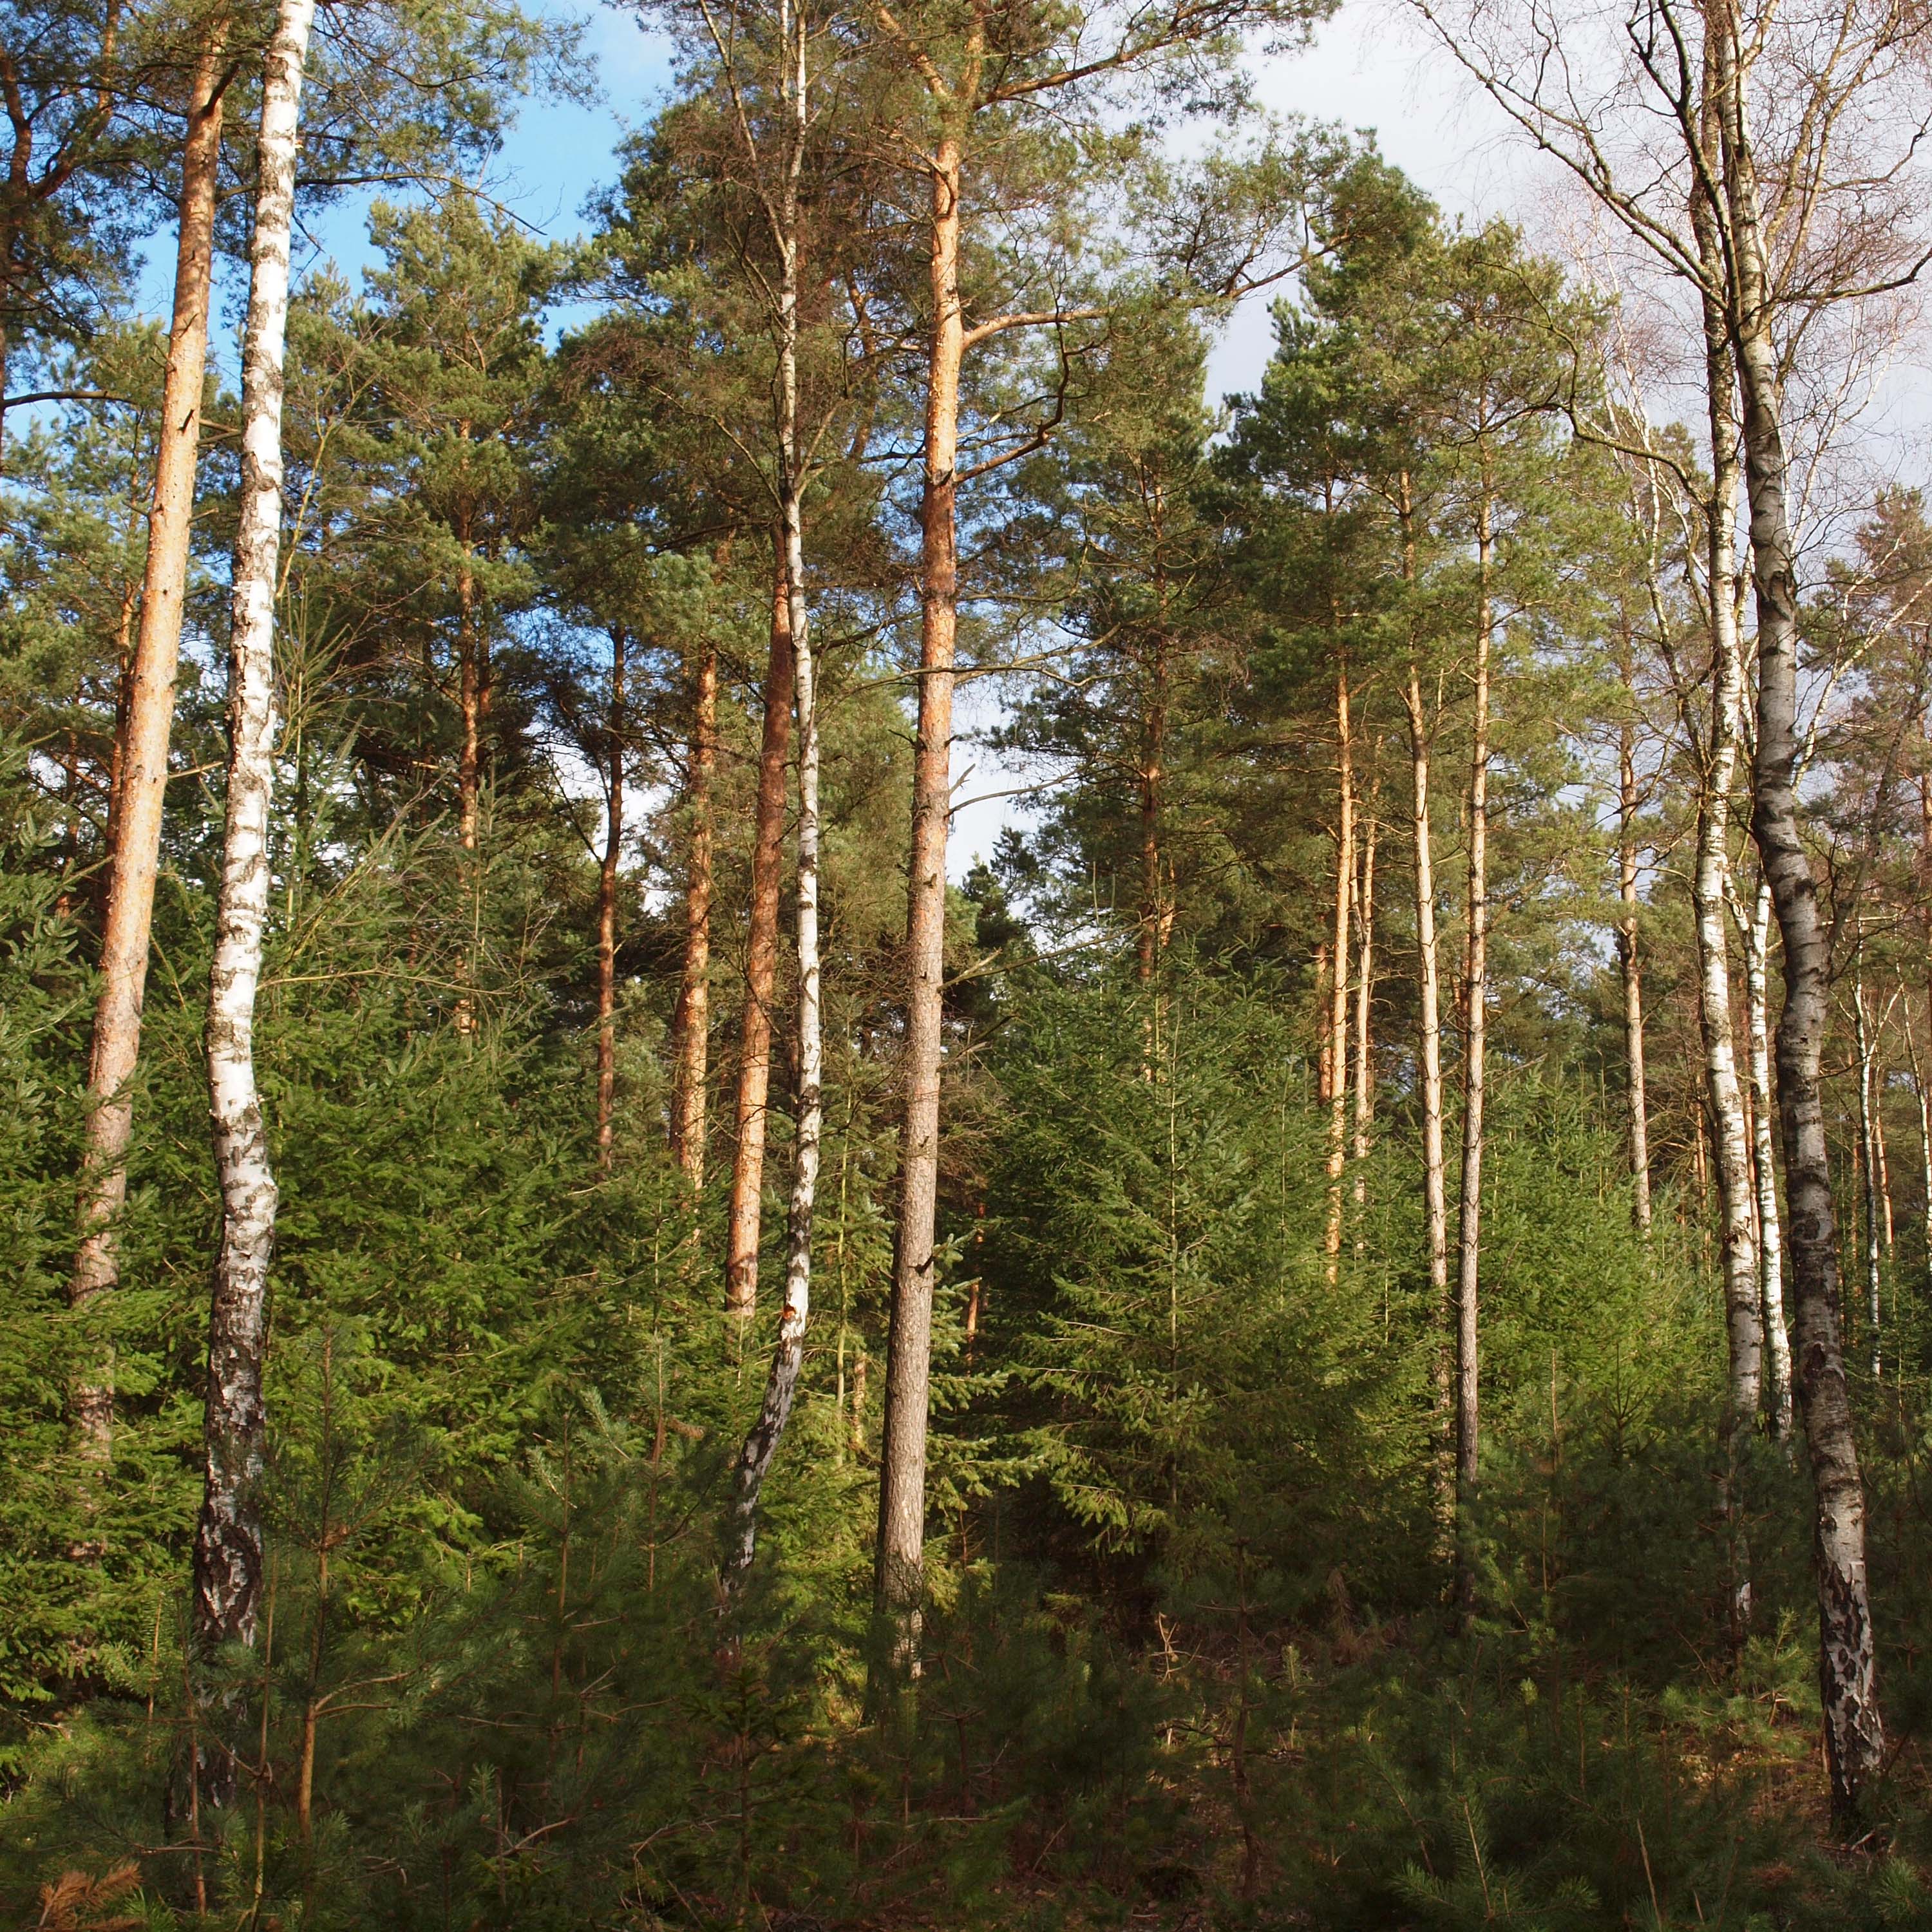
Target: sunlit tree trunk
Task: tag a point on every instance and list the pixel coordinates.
(1365, 987)
(1475, 992)
(1854, 1729)
(745, 1220)
(908, 1364)
(691, 1026)
(228, 1551)
(142, 749)
(1338, 997)
(761, 1445)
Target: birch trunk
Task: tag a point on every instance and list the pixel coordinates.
(1338, 996)
(1475, 985)
(691, 1026)
(782, 1383)
(1631, 964)
(745, 1220)
(900, 1575)
(1754, 934)
(142, 747)
(1710, 877)
(607, 908)
(228, 1541)
(1854, 1729)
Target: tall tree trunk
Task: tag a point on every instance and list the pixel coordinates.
(782, 1383)
(1854, 1728)
(469, 694)
(1710, 880)
(901, 1575)
(1475, 990)
(1338, 997)
(1868, 1151)
(1365, 988)
(691, 1026)
(229, 1552)
(135, 859)
(1153, 752)
(1629, 960)
(607, 906)
(744, 1221)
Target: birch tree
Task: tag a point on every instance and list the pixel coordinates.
(228, 1546)
(1746, 117)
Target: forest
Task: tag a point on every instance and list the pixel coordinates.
(605, 1323)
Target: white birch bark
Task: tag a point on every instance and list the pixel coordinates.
(228, 1547)
(1754, 934)
(761, 1445)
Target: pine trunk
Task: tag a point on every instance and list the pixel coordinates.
(142, 747)
(1338, 996)
(1854, 1729)
(1475, 986)
(744, 1224)
(691, 1028)
(900, 1576)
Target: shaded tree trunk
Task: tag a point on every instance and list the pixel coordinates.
(1854, 1729)
(1365, 988)
(745, 1220)
(1868, 1152)
(691, 1026)
(901, 1572)
(606, 905)
(142, 748)
(1631, 964)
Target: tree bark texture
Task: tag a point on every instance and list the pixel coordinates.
(901, 1574)
(1854, 1728)
(229, 1547)
(1754, 934)
(744, 1223)
(691, 1026)
(142, 748)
